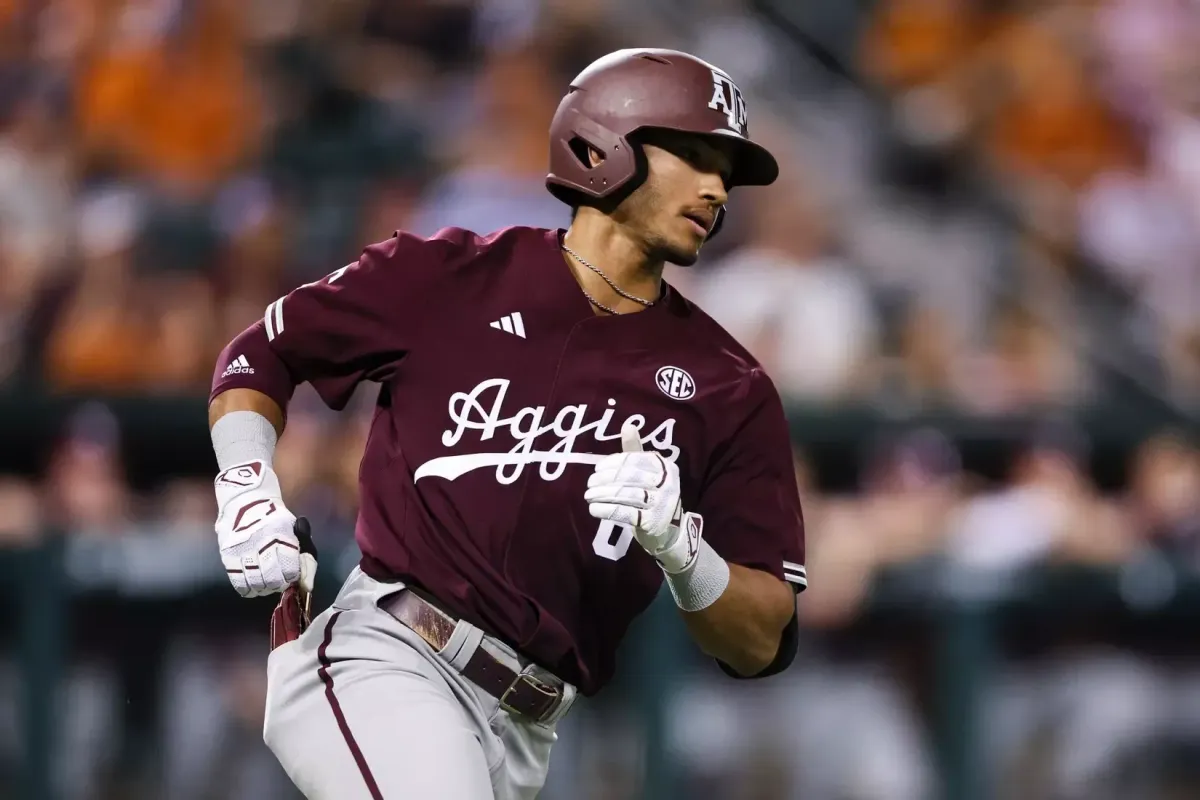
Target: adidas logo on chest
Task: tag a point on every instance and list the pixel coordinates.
(511, 323)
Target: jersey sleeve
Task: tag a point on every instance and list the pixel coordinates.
(355, 324)
(750, 502)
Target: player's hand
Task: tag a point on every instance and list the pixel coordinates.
(255, 531)
(641, 489)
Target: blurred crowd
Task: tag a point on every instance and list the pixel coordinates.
(1086, 115)
(1001, 215)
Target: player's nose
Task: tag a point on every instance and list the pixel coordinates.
(712, 189)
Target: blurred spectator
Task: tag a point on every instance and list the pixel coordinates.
(1164, 495)
(102, 334)
(185, 506)
(1029, 366)
(790, 297)
(21, 523)
(1050, 510)
(498, 161)
(1054, 722)
(1051, 122)
(36, 171)
(86, 493)
(164, 92)
(913, 49)
(35, 206)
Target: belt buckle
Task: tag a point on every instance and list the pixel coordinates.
(527, 677)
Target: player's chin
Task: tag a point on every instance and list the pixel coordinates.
(683, 258)
(684, 252)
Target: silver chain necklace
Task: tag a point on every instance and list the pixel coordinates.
(608, 280)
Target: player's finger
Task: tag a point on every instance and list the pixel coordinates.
(622, 515)
(604, 473)
(643, 472)
(254, 577)
(611, 462)
(308, 572)
(632, 496)
(271, 567)
(604, 478)
(631, 440)
(289, 564)
(616, 460)
(238, 579)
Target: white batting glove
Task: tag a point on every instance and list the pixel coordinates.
(256, 532)
(641, 490)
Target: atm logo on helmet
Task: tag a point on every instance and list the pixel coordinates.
(727, 99)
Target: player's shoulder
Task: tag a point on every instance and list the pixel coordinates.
(706, 335)
(729, 382)
(455, 246)
(451, 262)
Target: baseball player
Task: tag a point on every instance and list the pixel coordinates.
(557, 432)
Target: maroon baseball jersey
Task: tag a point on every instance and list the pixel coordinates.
(500, 389)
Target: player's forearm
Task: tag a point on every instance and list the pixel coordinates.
(245, 426)
(245, 400)
(743, 627)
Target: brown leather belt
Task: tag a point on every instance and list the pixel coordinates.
(519, 692)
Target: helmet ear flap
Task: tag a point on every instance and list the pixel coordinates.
(634, 166)
(571, 170)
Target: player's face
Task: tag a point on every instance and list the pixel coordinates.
(674, 209)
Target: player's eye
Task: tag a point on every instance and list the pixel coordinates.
(697, 157)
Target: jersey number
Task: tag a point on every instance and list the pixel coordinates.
(606, 547)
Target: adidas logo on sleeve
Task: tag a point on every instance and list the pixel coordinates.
(239, 366)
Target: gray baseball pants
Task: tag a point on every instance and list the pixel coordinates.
(360, 706)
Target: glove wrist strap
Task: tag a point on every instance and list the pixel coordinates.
(680, 554)
(242, 436)
(703, 582)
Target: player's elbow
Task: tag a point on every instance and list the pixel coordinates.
(770, 646)
(783, 649)
(753, 654)
(753, 660)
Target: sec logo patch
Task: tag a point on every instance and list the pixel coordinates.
(675, 383)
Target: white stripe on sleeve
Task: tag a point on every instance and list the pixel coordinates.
(268, 322)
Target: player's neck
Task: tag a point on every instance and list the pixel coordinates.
(607, 246)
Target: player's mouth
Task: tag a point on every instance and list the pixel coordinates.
(701, 220)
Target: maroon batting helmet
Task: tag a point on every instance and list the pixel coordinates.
(632, 90)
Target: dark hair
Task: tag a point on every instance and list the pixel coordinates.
(574, 212)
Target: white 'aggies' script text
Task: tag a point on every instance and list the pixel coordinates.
(482, 409)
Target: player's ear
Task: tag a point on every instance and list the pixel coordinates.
(595, 157)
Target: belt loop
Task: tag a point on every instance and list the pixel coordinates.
(462, 645)
(562, 706)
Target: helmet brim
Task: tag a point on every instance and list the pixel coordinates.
(753, 164)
